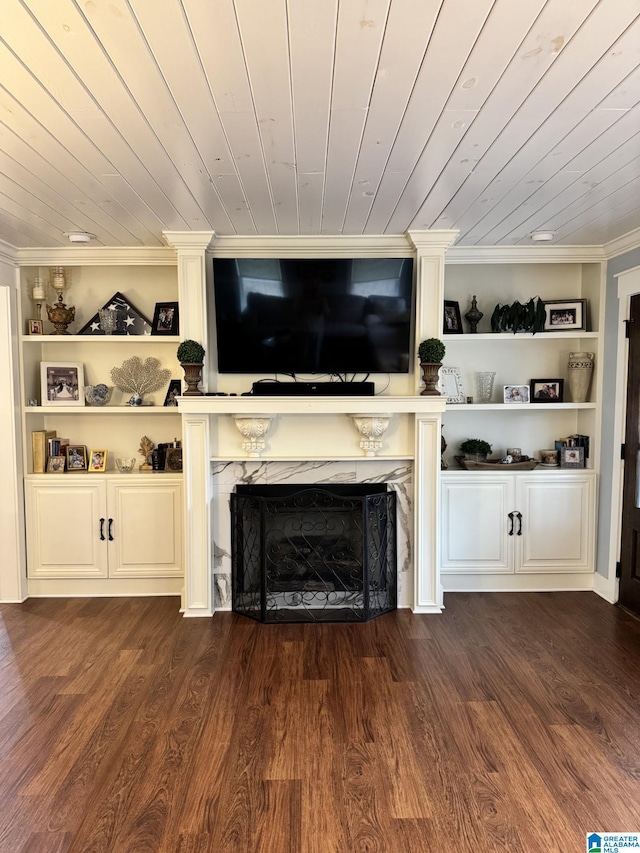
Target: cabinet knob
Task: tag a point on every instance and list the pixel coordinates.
(110, 528)
(519, 517)
(510, 517)
(102, 529)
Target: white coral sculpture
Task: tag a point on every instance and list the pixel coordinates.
(140, 377)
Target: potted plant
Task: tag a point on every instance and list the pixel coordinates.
(430, 354)
(191, 357)
(476, 449)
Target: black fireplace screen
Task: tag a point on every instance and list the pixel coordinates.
(313, 553)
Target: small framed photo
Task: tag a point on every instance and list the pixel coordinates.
(547, 390)
(61, 383)
(98, 461)
(35, 327)
(516, 393)
(173, 459)
(565, 315)
(451, 384)
(572, 457)
(55, 464)
(166, 320)
(174, 390)
(76, 457)
(452, 321)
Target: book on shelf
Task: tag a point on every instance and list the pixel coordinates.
(40, 439)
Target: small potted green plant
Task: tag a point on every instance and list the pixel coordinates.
(476, 449)
(191, 356)
(430, 354)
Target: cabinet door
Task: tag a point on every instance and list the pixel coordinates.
(64, 529)
(558, 523)
(475, 524)
(146, 526)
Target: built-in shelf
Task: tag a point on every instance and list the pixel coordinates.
(519, 336)
(101, 410)
(100, 339)
(516, 407)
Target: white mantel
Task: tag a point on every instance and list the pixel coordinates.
(209, 433)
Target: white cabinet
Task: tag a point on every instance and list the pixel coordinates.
(517, 522)
(108, 526)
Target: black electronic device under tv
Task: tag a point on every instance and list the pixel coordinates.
(301, 316)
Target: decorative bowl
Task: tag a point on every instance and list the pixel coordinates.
(126, 464)
(97, 395)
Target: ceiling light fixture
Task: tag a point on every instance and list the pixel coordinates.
(542, 236)
(79, 236)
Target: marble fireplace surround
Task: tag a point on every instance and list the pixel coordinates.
(233, 440)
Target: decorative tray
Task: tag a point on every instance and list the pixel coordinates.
(496, 465)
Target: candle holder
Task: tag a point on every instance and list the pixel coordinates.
(60, 316)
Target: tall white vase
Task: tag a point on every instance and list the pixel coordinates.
(580, 372)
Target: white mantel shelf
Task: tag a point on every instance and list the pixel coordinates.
(251, 405)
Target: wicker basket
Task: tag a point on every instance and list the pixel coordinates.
(496, 465)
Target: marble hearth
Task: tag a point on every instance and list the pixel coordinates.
(243, 440)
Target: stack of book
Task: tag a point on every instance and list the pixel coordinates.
(45, 444)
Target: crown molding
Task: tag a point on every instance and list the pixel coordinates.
(69, 256)
(436, 239)
(626, 243)
(189, 240)
(8, 253)
(525, 254)
(313, 246)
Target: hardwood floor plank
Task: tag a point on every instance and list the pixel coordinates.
(511, 722)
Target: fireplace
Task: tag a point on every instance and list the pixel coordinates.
(313, 553)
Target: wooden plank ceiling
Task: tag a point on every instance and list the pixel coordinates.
(498, 118)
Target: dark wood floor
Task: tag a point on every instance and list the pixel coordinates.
(510, 722)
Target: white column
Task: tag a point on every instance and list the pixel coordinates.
(426, 514)
(191, 249)
(198, 593)
(13, 565)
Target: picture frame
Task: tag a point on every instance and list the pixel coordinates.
(546, 390)
(76, 457)
(62, 383)
(515, 394)
(572, 457)
(173, 459)
(56, 464)
(35, 327)
(174, 390)
(452, 322)
(166, 319)
(98, 461)
(451, 385)
(565, 315)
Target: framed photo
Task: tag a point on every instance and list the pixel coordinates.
(451, 384)
(572, 457)
(547, 390)
(76, 457)
(173, 459)
(452, 320)
(516, 393)
(98, 461)
(565, 315)
(174, 390)
(55, 464)
(166, 319)
(35, 327)
(62, 383)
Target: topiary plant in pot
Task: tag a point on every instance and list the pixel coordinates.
(430, 354)
(475, 448)
(191, 357)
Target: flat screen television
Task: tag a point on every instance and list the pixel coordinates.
(300, 316)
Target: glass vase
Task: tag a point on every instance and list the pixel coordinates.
(484, 385)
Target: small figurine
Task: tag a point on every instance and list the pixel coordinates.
(473, 316)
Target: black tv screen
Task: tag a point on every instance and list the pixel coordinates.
(313, 315)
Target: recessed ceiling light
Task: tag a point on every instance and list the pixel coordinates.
(543, 236)
(79, 236)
